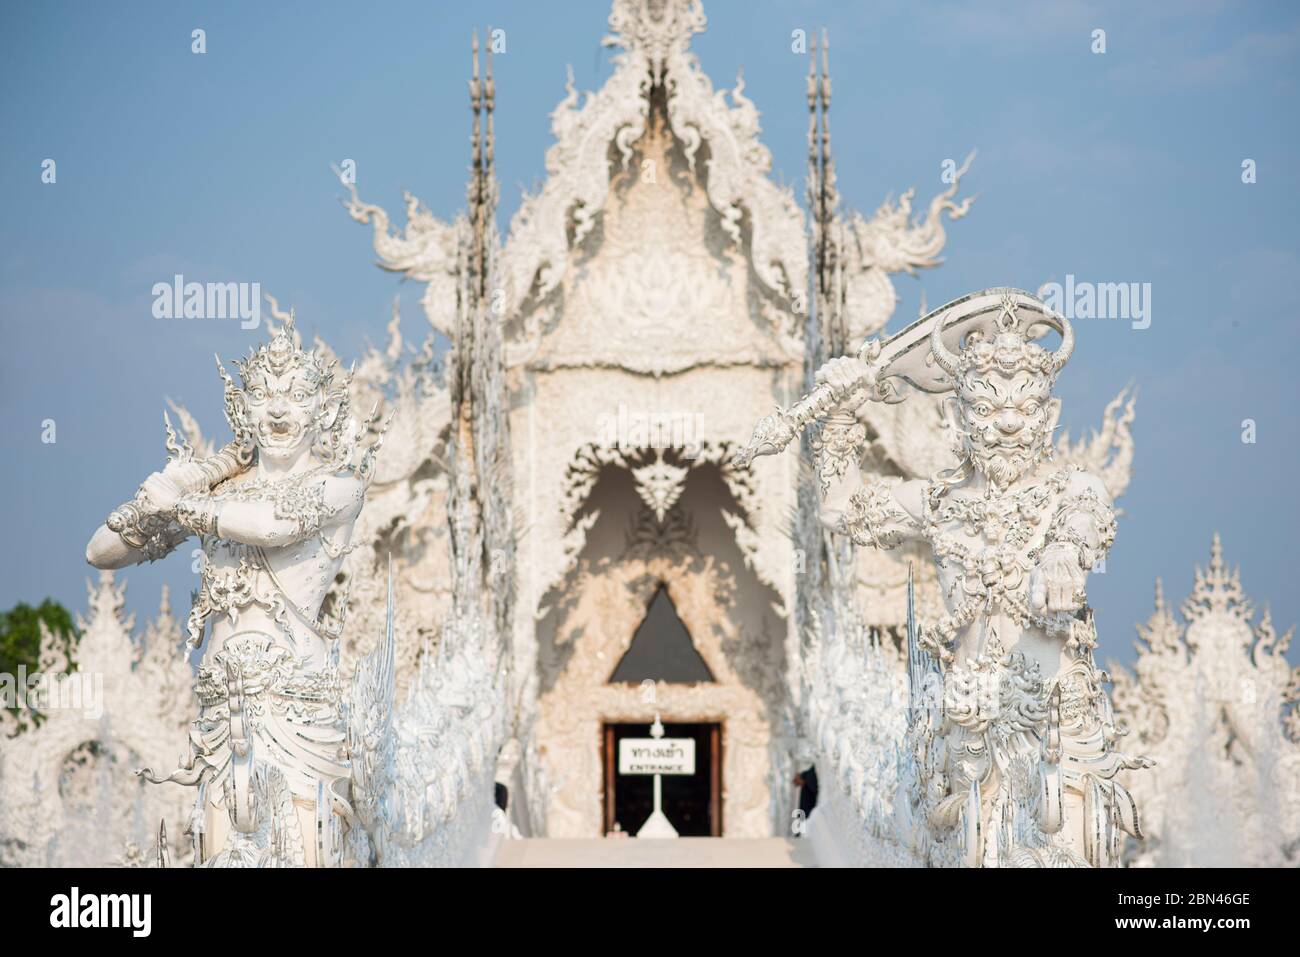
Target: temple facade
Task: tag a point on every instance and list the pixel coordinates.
(656, 296)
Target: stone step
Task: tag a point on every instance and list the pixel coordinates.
(679, 852)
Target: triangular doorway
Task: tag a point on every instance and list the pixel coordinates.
(661, 649)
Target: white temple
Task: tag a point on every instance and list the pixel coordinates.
(557, 550)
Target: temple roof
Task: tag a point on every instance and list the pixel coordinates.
(595, 140)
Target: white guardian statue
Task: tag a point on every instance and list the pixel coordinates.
(1013, 733)
(274, 511)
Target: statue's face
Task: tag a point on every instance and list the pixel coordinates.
(283, 411)
(1008, 420)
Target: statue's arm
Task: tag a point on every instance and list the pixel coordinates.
(871, 513)
(837, 455)
(145, 529)
(287, 514)
(107, 549)
(1079, 535)
(133, 533)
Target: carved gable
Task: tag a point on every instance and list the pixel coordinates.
(662, 289)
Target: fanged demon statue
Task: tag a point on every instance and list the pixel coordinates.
(274, 511)
(1014, 734)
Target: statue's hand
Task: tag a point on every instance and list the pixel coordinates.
(847, 375)
(186, 476)
(161, 492)
(1057, 583)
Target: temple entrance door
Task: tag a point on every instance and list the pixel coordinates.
(692, 803)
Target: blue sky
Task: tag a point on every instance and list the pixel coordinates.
(1115, 167)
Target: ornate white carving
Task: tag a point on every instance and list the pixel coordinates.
(423, 772)
(659, 485)
(426, 251)
(857, 698)
(892, 242)
(1108, 452)
(1011, 734)
(405, 517)
(649, 287)
(67, 794)
(910, 438)
(594, 151)
(406, 504)
(1216, 704)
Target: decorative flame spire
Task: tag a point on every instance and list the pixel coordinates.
(823, 201)
(481, 192)
(1217, 589)
(655, 29)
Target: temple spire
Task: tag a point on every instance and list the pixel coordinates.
(813, 172)
(489, 143)
(475, 191)
(823, 201)
(830, 194)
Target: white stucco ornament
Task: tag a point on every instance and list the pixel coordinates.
(1215, 702)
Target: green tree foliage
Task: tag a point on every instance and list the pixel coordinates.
(20, 635)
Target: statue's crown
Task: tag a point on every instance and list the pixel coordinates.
(1006, 348)
(283, 354)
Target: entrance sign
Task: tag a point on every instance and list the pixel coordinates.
(656, 756)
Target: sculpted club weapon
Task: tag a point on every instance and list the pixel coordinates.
(136, 521)
(905, 355)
